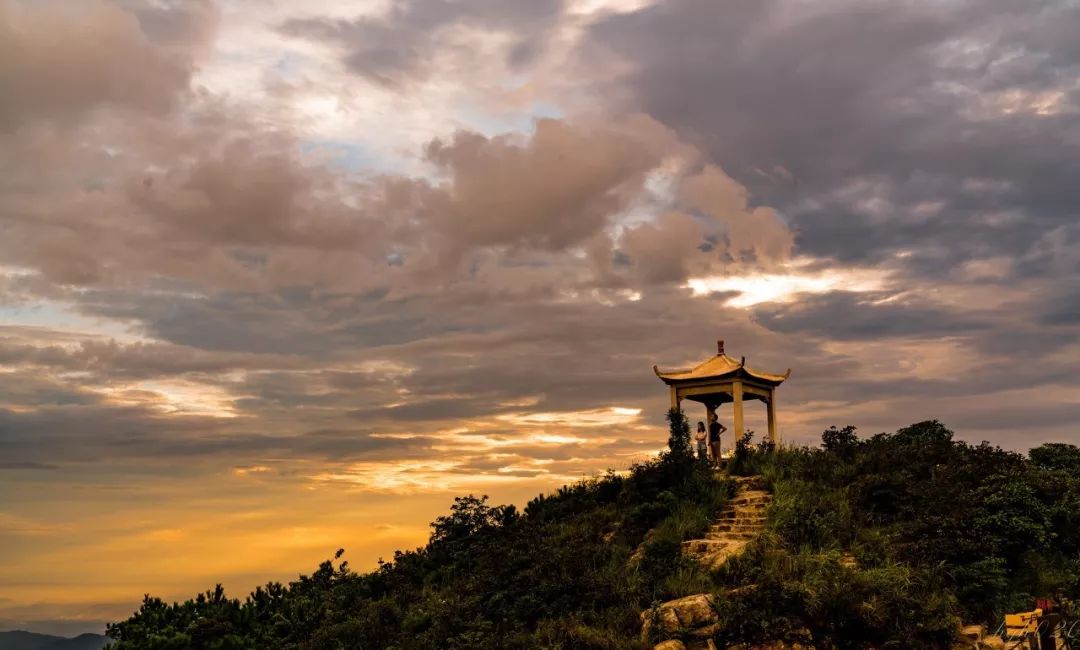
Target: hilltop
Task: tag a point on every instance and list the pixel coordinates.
(890, 541)
(21, 640)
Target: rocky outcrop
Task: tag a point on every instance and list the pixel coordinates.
(974, 637)
(691, 620)
(741, 520)
(991, 642)
(692, 615)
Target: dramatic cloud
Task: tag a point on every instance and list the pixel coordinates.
(58, 60)
(276, 279)
(413, 37)
(880, 128)
(553, 193)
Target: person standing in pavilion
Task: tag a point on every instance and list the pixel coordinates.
(702, 437)
(715, 430)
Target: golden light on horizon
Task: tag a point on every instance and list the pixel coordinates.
(428, 476)
(755, 289)
(174, 397)
(586, 418)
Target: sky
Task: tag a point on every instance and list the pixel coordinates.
(278, 278)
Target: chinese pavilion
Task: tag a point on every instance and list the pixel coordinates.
(721, 379)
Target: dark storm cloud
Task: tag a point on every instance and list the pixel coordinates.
(28, 389)
(1062, 309)
(300, 322)
(1018, 418)
(110, 360)
(847, 316)
(402, 45)
(53, 435)
(893, 125)
(26, 465)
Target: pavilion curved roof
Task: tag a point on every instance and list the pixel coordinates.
(720, 366)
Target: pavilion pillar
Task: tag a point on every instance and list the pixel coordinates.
(736, 404)
(771, 406)
(674, 397)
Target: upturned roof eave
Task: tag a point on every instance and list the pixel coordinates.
(693, 375)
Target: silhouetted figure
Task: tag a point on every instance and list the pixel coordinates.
(715, 429)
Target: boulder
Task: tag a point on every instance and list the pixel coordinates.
(969, 637)
(693, 614)
(992, 642)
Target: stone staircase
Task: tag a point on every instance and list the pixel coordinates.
(741, 520)
(694, 617)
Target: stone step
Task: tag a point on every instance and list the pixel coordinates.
(740, 502)
(756, 503)
(750, 482)
(746, 511)
(732, 535)
(754, 509)
(750, 500)
(737, 527)
(742, 513)
(704, 546)
(753, 493)
(742, 519)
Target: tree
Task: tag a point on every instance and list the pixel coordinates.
(679, 438)
(841, 442)
(470, 516)
(1057, 456)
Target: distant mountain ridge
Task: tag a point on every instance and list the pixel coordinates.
(21, 640)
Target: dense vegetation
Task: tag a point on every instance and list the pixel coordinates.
(889, 541)
(558, 575)
(937, 531)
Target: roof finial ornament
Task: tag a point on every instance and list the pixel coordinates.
(719, 347)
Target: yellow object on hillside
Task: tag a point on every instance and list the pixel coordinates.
(1024, 627)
